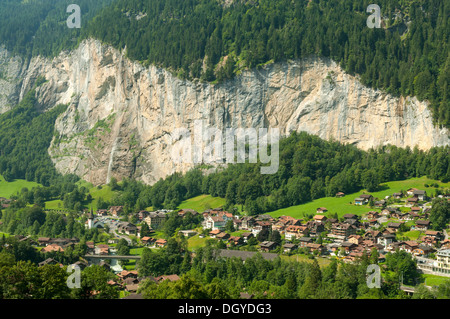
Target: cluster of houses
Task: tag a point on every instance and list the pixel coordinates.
(347, 238)
(129, 280)
(53, 244)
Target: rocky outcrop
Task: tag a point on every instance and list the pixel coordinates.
(122, 116)
(12, 69)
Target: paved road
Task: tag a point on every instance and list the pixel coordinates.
(113, 230)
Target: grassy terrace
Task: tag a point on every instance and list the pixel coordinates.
(345, 204)
(202, 202)
(7, 189)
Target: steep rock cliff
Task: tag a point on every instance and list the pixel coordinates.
(121, 114)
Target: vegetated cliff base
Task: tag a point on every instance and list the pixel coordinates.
(121, 114)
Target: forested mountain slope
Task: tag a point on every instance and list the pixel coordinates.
(213, 40)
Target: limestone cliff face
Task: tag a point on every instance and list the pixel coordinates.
(121, 114)
(12, 69)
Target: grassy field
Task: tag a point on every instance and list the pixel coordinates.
(7, 189)
(105, 192)
(202, 202)
(433, 280)
(345, 204)
(195, 242)
(323, 262)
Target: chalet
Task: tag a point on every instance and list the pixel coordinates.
(142, 214)
(343, 229)
(260, 225)
(321, 210)
(114, 240)
(102, 212)
(350, 216)
(48, 261)
(125, 274)
(355, 239)
(52, 247)
(332, 248)
(397, 195)
(235, 240)
(374, 223)
(406, 216)
(102, 249)
(408, 246)
(421, 195)
(373, 215)
(315, 228)
(340, 194)
(320, 218)
(237, 223)
(315, 247)
(155, 219)
(127, 228)
(366, 197)
(44, 241)
(416, 209)
(287, 248)
(394, 226)
(247, 222)
(184, 212)
(213, 233)
(386, 239)
(295, 232)
(445, 244)
(410, 191)
(304, 241)
(348, 246)
(223, 236)
(226, 216)
(160, 242)
(435, 234)
(388, 211)
(412, 201)
(280, 225)
(329, 223)
(429, 241)
(115, 210)
(146, 240)
(359, 201)
(246, 236)
(422, 225)
(214, 222)
(90, 246)
(267, 245)
(422, 251)
(380, 203)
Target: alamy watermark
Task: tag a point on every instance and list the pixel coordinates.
(74, 20)
(210, 145)
(373, 276)
(74, 279)
(374, 20)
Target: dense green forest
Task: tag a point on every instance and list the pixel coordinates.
(310, 168)
(211, 41)
(25, 136)
(206, 275)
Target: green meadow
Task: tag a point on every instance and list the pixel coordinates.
(202, 202)
(344, 205)
(7, 189)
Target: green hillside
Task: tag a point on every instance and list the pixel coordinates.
(344, 205)
(202, 202)
(10, 188)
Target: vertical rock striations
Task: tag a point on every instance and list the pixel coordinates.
(121, 115)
